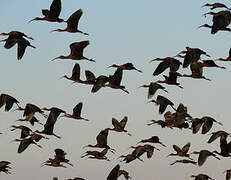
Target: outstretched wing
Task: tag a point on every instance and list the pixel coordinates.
(186, 147)
(116, 123)
(77, 109)
(73, 20)
(102, 137)
(77, 48)
(123, 122)
(55, 8)
(113, 175)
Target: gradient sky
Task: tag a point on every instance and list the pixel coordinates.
(120, 31)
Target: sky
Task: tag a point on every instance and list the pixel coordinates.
(119, 32)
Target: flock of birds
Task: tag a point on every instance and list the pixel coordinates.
(180, 118)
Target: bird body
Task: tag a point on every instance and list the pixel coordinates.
(76, 113)
(220, 21)
(152, 88)
(8, 101)
(153, 139)
(203, 155)
(183, 152)
(126, 66)
(29, 112)
(163, 102)
(10, 41)
(77, 49)
(115, 80)
(171, 79)
(51, 120)
(51, 15)
(101, 139)
(119, 126)
(72, 23)
(4, 167)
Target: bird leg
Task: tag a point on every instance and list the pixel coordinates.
(125, 90)
(129, 134)
(38, 145)
(92, 60)
(138, 70)
(162, 144)
(83, 32)
(140, 159)
(56, 135)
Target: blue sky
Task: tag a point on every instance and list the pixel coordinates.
(120, 32)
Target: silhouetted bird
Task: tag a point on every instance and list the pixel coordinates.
(51, 120)
(24, 143)
(51, 15)
(72, 23)
(197, 71)
(163, 102)
(152, 88)
(183, 152)
(97, 154)
(114, 80)
(77, 49)
(126, 66)
(184, 161)
(116, 172)
(191, 55)
(101, 139)
(8, 101)
(12, 36)
(58, 159)
(4, 167)
(211, 63)
(153, 139)
(75, 74)
(168, 62)
(220, 21)
(216, 5)
(201, 177)
(217, 134)
(76, 113)
(119, 126)
(203, 155)
(29, 112)
(171, 79)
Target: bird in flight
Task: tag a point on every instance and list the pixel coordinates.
(51, 15)
(72, 23)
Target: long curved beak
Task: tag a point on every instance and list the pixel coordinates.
(32, 46)
(31, 20)
(61, 77)
(150, 101)
(54, 30)
(109, 66)
(55, 58)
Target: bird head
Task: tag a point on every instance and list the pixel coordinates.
(113, 65)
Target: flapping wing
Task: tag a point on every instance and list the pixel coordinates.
(123, 122)
(186, 147)
(77, 109)
(116, 123)
(102, 137)
(55, 8)
(76, 72)
(73, 20)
